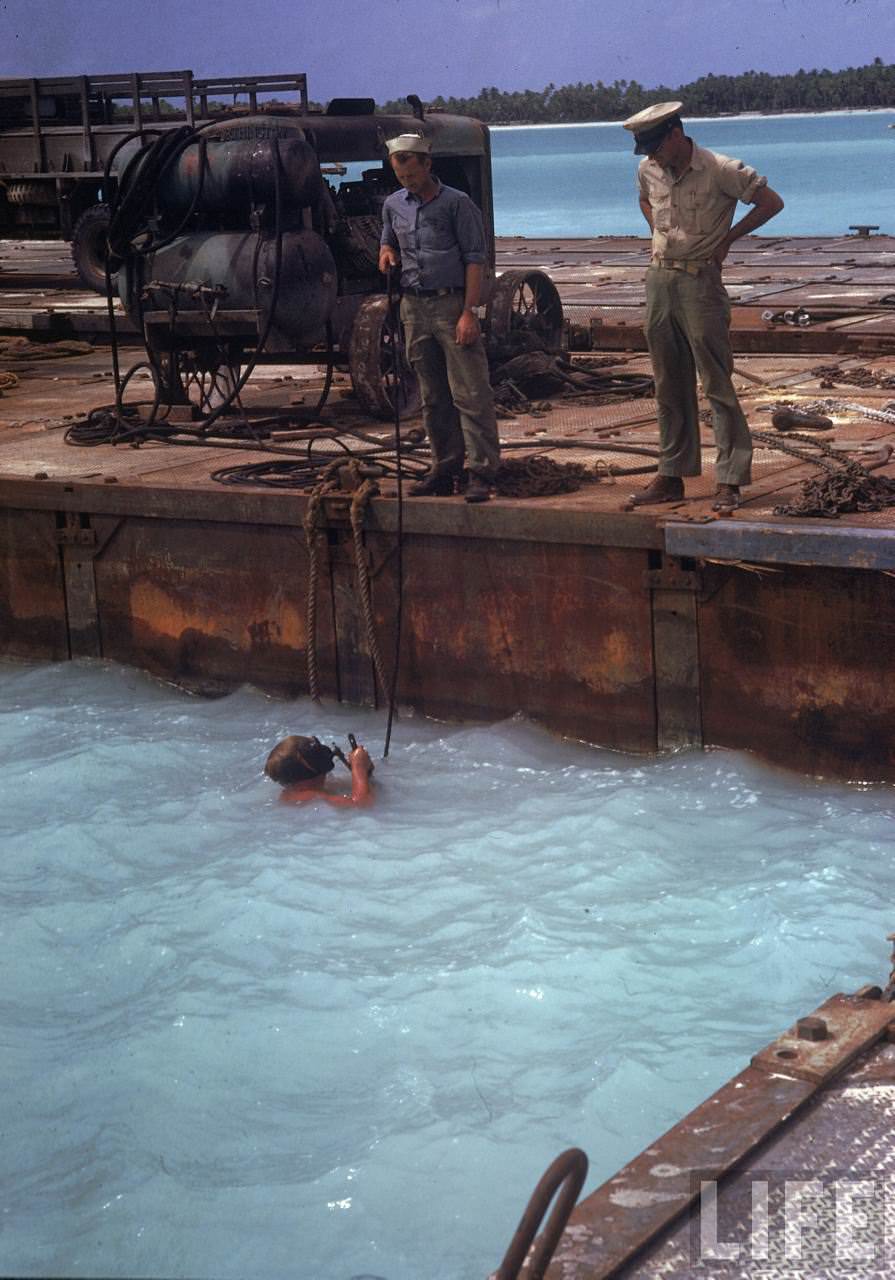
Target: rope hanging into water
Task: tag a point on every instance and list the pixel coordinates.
(397, 346)
(360, 501)
(313, 529)
(365, 488)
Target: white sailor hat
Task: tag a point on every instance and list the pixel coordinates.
(409, 142)
(650, 125)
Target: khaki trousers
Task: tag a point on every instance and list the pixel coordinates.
(687, 329)
(458, 404)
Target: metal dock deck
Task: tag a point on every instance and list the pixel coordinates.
(640, 630)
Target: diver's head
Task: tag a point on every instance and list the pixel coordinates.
(298, 759)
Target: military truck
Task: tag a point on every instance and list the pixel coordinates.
(246, 226)
(57, 134)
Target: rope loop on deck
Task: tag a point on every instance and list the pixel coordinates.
(566, 1176)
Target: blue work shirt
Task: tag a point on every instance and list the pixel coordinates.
(436, 240)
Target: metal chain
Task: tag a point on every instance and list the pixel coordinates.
(848, 486)
(848, 406)
(775, 441)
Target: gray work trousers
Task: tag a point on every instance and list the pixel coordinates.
(687, 329)
(458, 404)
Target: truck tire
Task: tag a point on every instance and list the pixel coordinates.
(89, 246)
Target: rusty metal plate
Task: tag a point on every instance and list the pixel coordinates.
(618, 1219)
(807, 542)
(32, 597)
(561, 632)
(636, 1223)
(849, 1025)
(840, 1141)
(790, 665)
(212, 605)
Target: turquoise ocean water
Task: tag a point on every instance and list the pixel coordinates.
(832, 170)
(240, 1039)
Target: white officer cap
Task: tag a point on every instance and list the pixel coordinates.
(650, 125)
(409, 142)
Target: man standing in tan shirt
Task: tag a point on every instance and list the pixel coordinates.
(688, 196)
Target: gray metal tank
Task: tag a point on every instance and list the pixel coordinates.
(231, 170)
(237, 271)
(240, 175)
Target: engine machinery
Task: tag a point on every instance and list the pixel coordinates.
(257, 238)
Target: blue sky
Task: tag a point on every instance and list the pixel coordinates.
(387, 48)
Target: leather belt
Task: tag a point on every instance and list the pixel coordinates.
(431, 293)
(692, 266)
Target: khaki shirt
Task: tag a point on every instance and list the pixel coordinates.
(692, 214)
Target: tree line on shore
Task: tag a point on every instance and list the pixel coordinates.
(855, 87)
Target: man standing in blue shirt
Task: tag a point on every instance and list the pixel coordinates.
(435, 234)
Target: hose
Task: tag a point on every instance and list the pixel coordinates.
(394, 320)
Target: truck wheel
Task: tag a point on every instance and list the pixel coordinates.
(373, 359)
(89, 246)
(525, 305)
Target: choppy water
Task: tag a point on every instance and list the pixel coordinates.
(833, 170)
(240, 1039)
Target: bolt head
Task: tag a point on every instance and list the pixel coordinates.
(811, 1028)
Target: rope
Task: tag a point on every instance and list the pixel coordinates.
(394, 320)
(311, 528)
(365, 490)
(8, 381)
(538, 476)
(359, 502)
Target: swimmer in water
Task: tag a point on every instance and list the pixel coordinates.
(300, 766)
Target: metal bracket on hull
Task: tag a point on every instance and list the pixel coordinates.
(675, 592)
(79, 549)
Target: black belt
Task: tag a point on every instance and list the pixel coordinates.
(432, 293)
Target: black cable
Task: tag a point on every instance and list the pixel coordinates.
(394, 323)
(275, 293)
(330, 367)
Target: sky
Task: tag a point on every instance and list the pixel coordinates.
(387, 48)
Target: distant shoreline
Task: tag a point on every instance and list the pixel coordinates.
(741, 115)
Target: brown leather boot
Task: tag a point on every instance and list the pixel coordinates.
(661, 489)
(478, 489)
(727, 498)
(434, 484)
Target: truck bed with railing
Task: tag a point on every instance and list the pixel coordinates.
(57, 134)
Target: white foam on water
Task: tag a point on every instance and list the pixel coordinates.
(244, 1039)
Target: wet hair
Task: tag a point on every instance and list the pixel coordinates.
(297, 759)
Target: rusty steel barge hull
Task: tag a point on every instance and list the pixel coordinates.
(636, 630)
